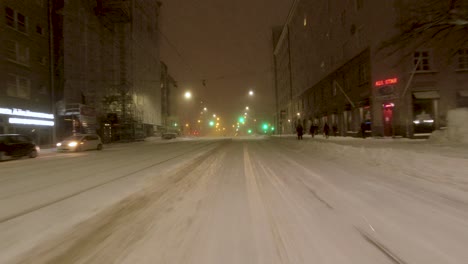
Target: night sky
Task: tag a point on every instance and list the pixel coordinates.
(227, 43)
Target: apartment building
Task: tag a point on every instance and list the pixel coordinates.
(25, 105)
(330, 68)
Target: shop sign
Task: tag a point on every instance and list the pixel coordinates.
(27, 113)
(386, 82)
(24, 121)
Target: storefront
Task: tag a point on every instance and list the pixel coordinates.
(425, 111)
(38, 126)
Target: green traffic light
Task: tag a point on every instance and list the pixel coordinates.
(265, 126)
(272, 129)
(211, 123)
(241, 120)
(249, 131)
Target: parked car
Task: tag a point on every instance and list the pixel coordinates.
(16, 146)
(80, 142)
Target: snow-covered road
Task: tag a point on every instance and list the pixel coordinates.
(262, 200)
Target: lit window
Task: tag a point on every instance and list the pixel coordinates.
(422, 60)
(463, 59)
(10, 17)
(305, 21)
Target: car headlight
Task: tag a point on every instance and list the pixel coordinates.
(73, 144)
(59, 144)
(38, 148)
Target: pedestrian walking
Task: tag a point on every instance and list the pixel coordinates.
(326, 130)
(300, 131)
(312, 130)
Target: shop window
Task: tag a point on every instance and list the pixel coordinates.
(463, 59)
(423, 116)
(423, 61)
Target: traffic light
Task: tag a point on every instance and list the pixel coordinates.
(211, 123)
(249, 131)
(241, 120)
(265, 126)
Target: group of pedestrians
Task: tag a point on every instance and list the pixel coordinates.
(314, 129)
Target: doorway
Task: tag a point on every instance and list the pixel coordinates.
(388, 119)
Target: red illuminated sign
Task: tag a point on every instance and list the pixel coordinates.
(386, 82)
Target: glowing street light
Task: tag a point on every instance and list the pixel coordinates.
(188, 95)
(246, 108)
(214, 115)
(251, 93)
(205, 109)
(298, 114)
(211, 123)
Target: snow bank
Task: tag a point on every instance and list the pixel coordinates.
(458, 125)
(457, 130)
(425, 163)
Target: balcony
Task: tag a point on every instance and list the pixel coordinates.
(116, 11)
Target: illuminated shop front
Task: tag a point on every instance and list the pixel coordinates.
(36, 125)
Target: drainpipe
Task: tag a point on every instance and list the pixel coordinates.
(52, 70)
(404, 94)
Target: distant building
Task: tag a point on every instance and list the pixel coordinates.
(168, 100)
(25, 105)
(107, 67)
(329, 69)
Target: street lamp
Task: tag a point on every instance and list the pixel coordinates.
(251, 93)
(205, 109)
(214, 115)
(188, 95)
(246, 108)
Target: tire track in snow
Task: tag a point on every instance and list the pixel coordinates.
(126, 222)
(49, 203)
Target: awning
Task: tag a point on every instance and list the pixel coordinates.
(463, 93)
(427, 95)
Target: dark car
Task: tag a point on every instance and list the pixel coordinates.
(16, 146)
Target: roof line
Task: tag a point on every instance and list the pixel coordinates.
(285, 26)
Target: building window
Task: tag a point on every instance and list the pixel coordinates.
(359, 4)
(39, 30)
(17, 52)
(16, 20)
(21, 22)
(18, 86)
(343, 18)
(463, 59)
(422, 60)
(43, 60)
(10, 17)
